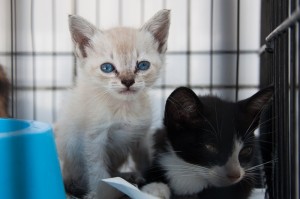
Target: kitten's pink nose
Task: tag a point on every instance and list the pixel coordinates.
(127, 82)
(234, 176)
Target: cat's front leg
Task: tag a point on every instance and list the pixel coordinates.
(141, 153)
(98, 165)
(157, 189)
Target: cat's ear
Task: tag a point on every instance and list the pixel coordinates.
(256, 103)
(181, 106)
(158, 26)
(81, 32)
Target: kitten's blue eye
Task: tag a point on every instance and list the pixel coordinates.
(107, 68)
(143, 65)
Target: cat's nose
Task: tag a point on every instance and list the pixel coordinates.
(234, 176)
(127, 82)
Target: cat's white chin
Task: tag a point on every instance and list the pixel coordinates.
(225, 182)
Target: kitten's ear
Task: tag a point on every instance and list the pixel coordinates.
(158, 26)
(256, 103)
(182, 105)
(81, 32)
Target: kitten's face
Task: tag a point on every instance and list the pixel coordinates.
(121, 61)
(215, 138)
(134, 60)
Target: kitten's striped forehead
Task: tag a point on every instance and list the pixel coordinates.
(123, 39)
(123, 47)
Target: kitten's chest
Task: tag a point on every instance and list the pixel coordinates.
(121, 120)
(124, 122)
(128, 115)
(121, 133)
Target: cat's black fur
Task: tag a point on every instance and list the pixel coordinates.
(191, 122)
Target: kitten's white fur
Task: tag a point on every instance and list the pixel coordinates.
(102, 121)
(187, 179)
(157, 189)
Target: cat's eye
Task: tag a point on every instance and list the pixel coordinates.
(211, 148)
(107, 67)
(246, 151)
(143, 65)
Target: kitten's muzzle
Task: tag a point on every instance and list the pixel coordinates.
(234, 176)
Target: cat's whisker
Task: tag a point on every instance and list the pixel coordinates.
(202, 171)
(250, 139)
(253, 121)
(254, 174)
(261, 124)
(250, 134)
(266, 133)
(265, 149)
(260, 165)
(172, 100)
(249, 179)
(263, 141)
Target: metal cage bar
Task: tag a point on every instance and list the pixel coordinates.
(279, 66)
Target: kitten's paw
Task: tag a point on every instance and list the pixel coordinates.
(159, 190)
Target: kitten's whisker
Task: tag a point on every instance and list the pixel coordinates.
(249, 179)
(263, 141)
(266, 133)
(260, 165)
(255, 175)
(250, 134)
(266, 121)
(190, 168)
(253, 121)
(261, 124)
(249, 139)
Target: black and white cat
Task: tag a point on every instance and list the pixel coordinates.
(206, 149)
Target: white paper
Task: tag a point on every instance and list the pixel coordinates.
(127, 188)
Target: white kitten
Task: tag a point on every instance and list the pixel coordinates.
(108, 113)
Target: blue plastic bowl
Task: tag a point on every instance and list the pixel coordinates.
(29, 165)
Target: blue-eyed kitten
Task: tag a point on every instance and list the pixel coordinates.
(108, 113)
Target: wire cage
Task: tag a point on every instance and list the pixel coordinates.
(215, 47)
(280, 66)
(214, 53)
